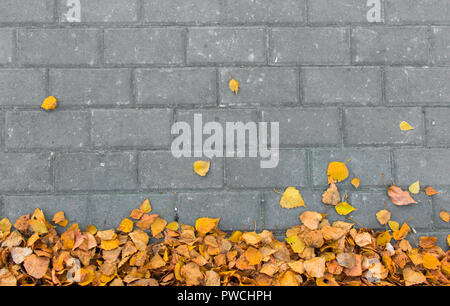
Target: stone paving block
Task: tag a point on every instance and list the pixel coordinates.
(368, 164)
(58, 46)
(182, 11)
(75, 207)
(440, 45)
(102, 11)
(136, 128)
(91, 87)
(107, 210)
(441, 202)
(418, 11)
(430, 166)
(369, 203)
(150, 46)
(53, 130)
(95, 171)
(339, 12)
(408, 85)
(183, 86)
(7, 46)
(25, 172)
(347, 85)
(22, 87)
(306, 126)
(27, 11)
(246, 172)
(222, 116)
(228, 206)
(260, 86)
(264, 11)
(226, 46)
(161, 170)
(381, 126)
(310, 46)
(36, 129)
(390, 45)
(438, 126)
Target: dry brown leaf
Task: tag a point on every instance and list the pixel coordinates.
(311, 219)
(331, 196)
(36, 266)
(429, 191)
(383, 216)
(400, 197)
(445, 216)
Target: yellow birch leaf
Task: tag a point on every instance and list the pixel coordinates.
(235, 236)
(234, 86)
(383, 216)
(383, 239)
(145, 206)
(291, 198)
(254, 256)
(297, 244)
(158, 226)
(355, 182)
(5, 225)
(125, 226)
(49, 103)
(91, 229)
(337, 172)
(173, 226)
(395, 226)
(445, 216)
(344, 208)
(405, 126)
(108, 245)
(430, 262)
(205, 225)
(415, 187)
(448, 240)
(201, 167)
(60, 219)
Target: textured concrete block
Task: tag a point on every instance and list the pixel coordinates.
(183, 86)
(418, 11)
(107, 210)
(161, 170)
(381, 126)
(310, 46)
(438, 126)
(137, 128)
(408, 85)
(58, 46)
(102, 10)
(226, 45)
(349, 85)
(260, 86)
(91, 87)
(27, 11)
(22, 87)
(25, 172)
(390, 45)
(54, 130)
(369, 165)
(441, 202)
(95, 171)
(306, 126)
(339, 12)
(440, 45)
(236, 210)
(7, 37)
(150, 46)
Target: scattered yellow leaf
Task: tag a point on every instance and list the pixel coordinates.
(355, 182)
(158, 226)
(291, 198)
(297, 244)
(412, 277)
(49, 103)
(145, 206)
(429, 191)
(405, 126)
(445, 216)
(205, 225)
(430, 262)
(234, 86)
(201, 167)
(125, 226)
(60, 219)
(173, 226)
(337, 172)
(344, 208)
(383, 216)
(415, 187)
(5, 225)
(395, 226)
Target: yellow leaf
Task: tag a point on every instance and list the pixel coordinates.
(344, 208)
(5, 225)
(430, 262)
(445, 216)
(415, 187)
(383, 239)
(158, 226)
(60, 219)
(448, 240)
(234, 86)
(288, 279)
(291, 198)
(177, 270)
(108, 245)
(251, 238)
(383, 216)
(38, 226)
(395, 226)
(402, 232)
(49, 103)
(405, 126)
(355, 182)
(201, 167)
(145, 206)
(205, 225)
(412, 277)
(173, 226)
(91, 229)
(337, 172)
(125, 226)
(297, 244)
(235, 236)
(253, 256)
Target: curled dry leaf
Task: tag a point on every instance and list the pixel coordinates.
(60, 219)
(36, 266)
(201, 167)
(291, 198)
(311, 219)
(429, 191)
(383, 216)
(49, 103)
(400, 197)
(331, 196)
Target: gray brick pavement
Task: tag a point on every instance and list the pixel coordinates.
(125, 70)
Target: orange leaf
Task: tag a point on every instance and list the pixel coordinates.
(429, 191)
(400, 197)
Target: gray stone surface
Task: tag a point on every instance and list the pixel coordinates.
(13, 82)
(136, 128)
(381, 126)
(228, 206)
(37, 129)
(226, 45)
(172, 87)
(338, 84)
(95, 171)
(390, 45)
(91, 87)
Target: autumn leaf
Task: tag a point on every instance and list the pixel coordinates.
(49, 103)
(400, 197)
(296, 243)
(206, 225)
(429, 191)
(414, 188)
(412, 277)
(145, 206)
(311, 219)
(355, 182)
(233, 85)
(291, 198)
(383, 216)
(395, 226)
(344, 208)
(5, 225)
(36, 266)
(331, 196)
(405, 126)
(125, 226)
(430, 262)
(337, 172)
(253, 256)
(158, 226)
(60, 219)
(201, 167)
(445, 216)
